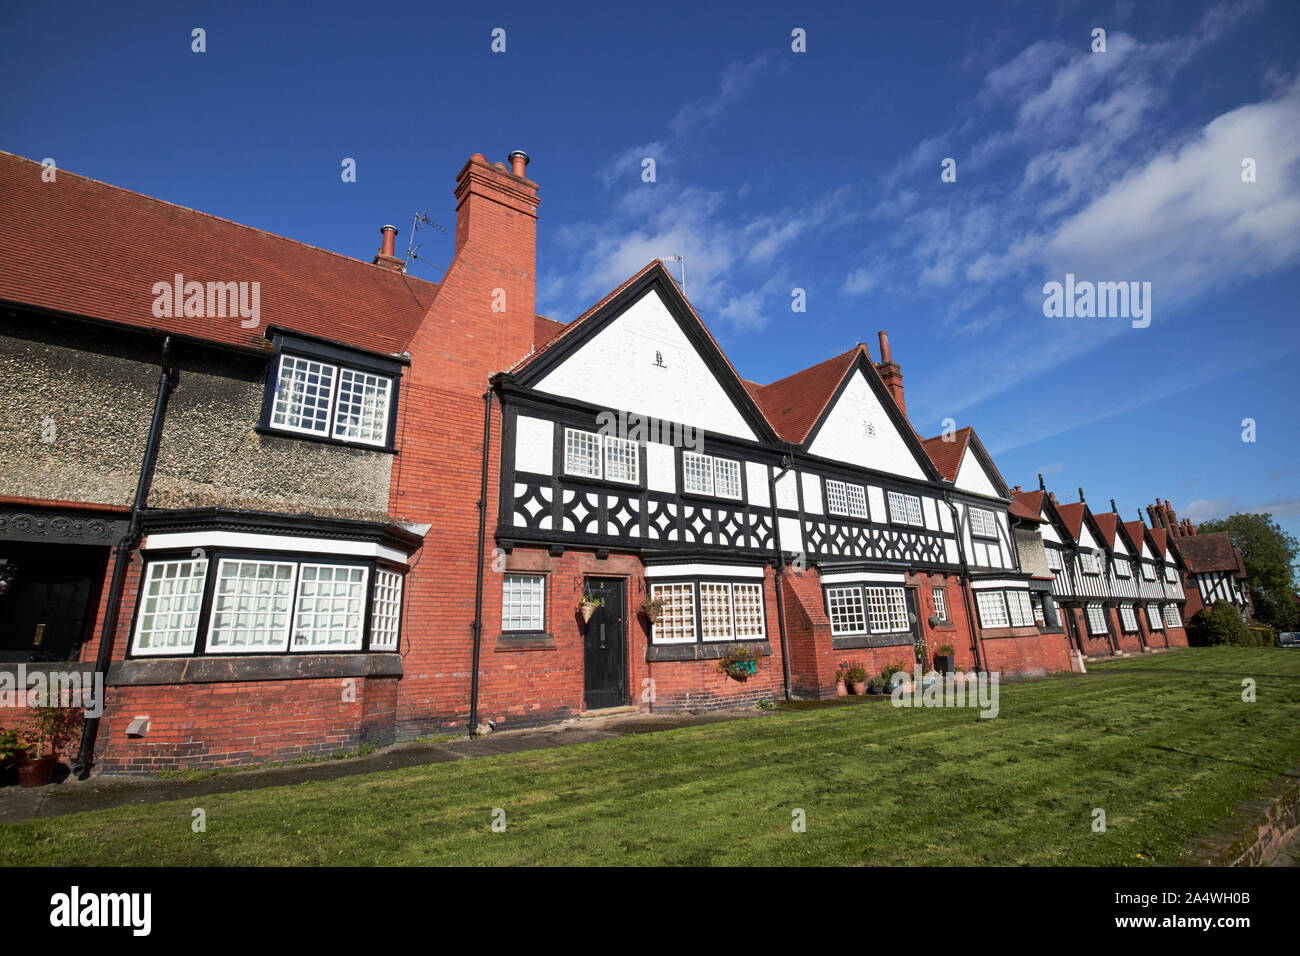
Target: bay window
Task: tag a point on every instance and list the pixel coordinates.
(329, 400)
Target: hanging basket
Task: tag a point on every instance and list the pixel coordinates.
(587, 609)
(742, 670)
(652, 610)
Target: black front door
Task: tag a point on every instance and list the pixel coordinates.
(45, 614)
(605, 645)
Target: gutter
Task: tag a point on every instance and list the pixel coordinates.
(786, 464)
(476, 627)
(122, 557)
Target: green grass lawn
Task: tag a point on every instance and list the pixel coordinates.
(1163, 744)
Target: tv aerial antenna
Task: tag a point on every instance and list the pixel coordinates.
(682, 260)
(420, 221)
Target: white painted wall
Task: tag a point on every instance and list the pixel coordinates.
(876, 503)
(756, 475)
(534, 445)
(972, 477)
(616, 370)
(812, 494)
(929, 513)
(843, 436)
(787, 495)
(660, 467)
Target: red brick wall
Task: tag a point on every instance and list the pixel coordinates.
(212, 725)
(1131, 642)
(1026, 651)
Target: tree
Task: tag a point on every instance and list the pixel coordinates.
(1220, 624)
(1268, 553)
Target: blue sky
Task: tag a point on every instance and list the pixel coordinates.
(779, 170)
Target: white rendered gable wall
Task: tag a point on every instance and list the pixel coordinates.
(843, 436)
(972, 477)
(616, 370)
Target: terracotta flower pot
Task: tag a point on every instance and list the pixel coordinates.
(859, 687)
(36, 773)
(841, 690)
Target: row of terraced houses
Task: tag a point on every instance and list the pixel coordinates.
(369, 508)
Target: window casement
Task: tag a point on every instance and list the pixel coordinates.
(170, 602)
(1172, 618)
(1096, 619)
(982, 523)
(314, 397)
(592, 455)
(1155, 620)
(257, 604)
(386, 616)
(523, 602)
(1128, 618)
(1019, 609)
(1122, 568)
(1053, 558)
(727, 611)
(887, 608)
(846, 498)
(905, 509)
(939, 596)
(1005, 608)
(1088, 562)
(1148, 571)
(1040, 613)
(847, 611)
(709, 475)
(1171, 574)
(993, 609)
(331, 607)
(866, 609)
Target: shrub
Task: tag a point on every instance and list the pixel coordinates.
(1219, 625)
(855, 674)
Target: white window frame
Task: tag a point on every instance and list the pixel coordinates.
(338, 424)
(585, 442)
(905, 509)
(628, 454)
(1020, 610)
(280, 645)
(536, 610)
(680, 619)
(356, 634)
(846, 499)
(1128, 618)
(986, 521)
(182, 620)
(1148, 571)
(1155, 619)
(939, 600)
(887, 609)
(1096, 615)
(1122, 567)
(992, 607)
(848, 598)
(1088, 562)
(1172, 617)
(1171, 574)
(386, 616)
(1054, 554)
(717, 470)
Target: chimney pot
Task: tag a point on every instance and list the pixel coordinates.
(390, 235)
(518, 160)
(1112, 506)
(884, 348)
(386, 257)
(891, 374)
(1082, 500)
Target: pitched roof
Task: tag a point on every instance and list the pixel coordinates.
(1022, 506)
(1072, 515)
(947, 455)
(1158, 536)
(1108, 522)
(1208, 552)
(545, 329)
(1135, 529)
(83, 247)
(792, 405)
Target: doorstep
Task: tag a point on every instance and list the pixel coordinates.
(607, 712)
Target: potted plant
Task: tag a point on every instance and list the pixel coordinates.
(856, 677)
(12, 752)
(919, 649)
(944, 661)
(739, 663)
(587, 606)
(45, 738)
(841, 688)
(652, 608)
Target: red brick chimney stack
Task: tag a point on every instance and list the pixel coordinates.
(386, 257)
(890, 373)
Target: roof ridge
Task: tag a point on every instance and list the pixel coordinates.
(214, 216)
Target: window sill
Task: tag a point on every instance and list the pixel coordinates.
(141, 672)
(848, 642)
(323, 440)
(602, 483)
(713, 499)
(700, 652)
(530, 641)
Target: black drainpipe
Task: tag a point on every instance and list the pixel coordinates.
(786, 465)
(122, 558)
(477, 626)
(965, 584)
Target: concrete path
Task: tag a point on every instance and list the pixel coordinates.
(102, 791)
